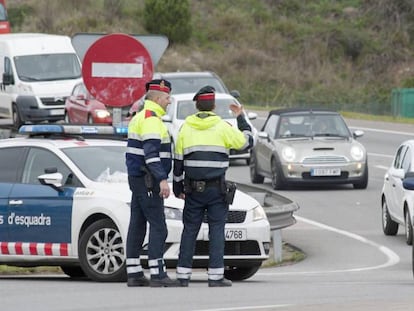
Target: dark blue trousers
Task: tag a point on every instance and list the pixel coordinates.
(196, 203)
(145, 209)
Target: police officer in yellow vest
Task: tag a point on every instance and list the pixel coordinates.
(148, 160)
(201, 159)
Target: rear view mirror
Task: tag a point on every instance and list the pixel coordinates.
(408, 183)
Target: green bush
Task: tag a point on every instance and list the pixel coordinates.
(171, 18)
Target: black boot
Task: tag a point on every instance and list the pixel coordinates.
(219, 283)
(138, 281)
(164, 282)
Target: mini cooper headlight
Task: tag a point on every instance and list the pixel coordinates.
(288, 154)
(173, 213)
(357, 153)
(259, 213)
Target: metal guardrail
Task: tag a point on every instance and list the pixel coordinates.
(279, 209)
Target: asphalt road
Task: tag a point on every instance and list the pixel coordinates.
(349, 265)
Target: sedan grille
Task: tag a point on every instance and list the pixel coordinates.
(53, 101)
(232, 248)
(324, 160)
(233, 217)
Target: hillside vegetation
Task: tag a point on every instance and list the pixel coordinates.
(346, 54)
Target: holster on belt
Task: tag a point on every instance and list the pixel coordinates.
(229, 191)
(148, 178)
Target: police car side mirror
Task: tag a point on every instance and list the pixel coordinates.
(166, 118)
(54, 180)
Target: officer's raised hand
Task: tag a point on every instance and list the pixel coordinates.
(236, 109)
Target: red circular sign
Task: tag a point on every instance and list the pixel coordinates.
(116, 68)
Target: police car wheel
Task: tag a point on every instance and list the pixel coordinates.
(240, 273)
(74, 272)
(101, 252)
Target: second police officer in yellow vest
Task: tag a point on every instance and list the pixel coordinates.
(200, 163)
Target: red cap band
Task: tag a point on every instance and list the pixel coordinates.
(208, 96)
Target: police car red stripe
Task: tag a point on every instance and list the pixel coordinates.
(41, 249)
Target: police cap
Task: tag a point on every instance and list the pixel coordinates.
(206, 93)
(158, 85)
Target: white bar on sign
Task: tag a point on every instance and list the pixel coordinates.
(117, 70)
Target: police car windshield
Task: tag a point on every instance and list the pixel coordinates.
(100, 163)
(187, 107)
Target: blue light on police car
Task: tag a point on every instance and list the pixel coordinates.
(121, 130)
(41, 128)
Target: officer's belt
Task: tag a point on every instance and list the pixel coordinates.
(200, 185)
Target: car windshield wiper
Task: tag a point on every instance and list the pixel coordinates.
(27, 78)
(329, 135)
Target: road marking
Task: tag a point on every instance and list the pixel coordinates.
(382, 167)
(380, 155)
(382, 131)
(392, 257)
(248, 308)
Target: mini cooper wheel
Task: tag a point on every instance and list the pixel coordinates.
(277, 176)
(363, 182)
(101, 252)
(254, 176)
(389, 226)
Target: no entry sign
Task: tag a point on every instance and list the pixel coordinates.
(115, 69)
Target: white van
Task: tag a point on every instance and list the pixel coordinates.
(37, 72)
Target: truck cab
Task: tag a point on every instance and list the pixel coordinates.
(37, 73)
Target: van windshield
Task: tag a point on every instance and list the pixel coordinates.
(47, 67)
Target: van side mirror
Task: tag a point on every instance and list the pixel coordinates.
(8, 79)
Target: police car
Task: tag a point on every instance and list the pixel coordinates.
(64, 201)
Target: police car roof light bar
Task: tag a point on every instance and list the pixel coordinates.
(67, 130)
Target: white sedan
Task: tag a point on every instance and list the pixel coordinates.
(182, 105)
(397, 196)
(64, 201)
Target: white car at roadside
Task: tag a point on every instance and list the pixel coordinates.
(397, 195)
(64, 201)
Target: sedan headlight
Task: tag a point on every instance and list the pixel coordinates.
(357, 153)
(259, 213)
(102, 114)
(173, 213)
(288, 154)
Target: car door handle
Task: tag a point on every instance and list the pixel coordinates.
(15, 202)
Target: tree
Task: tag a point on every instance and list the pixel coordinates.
(171, 18)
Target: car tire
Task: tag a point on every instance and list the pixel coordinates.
(101, 252)
(17, 119)
(408, 228)
(277, 176)
(90, 119)
(75, 272)
(240, 273)
(363, 183)
(389, 226)
(254, 176)
(67, 118)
